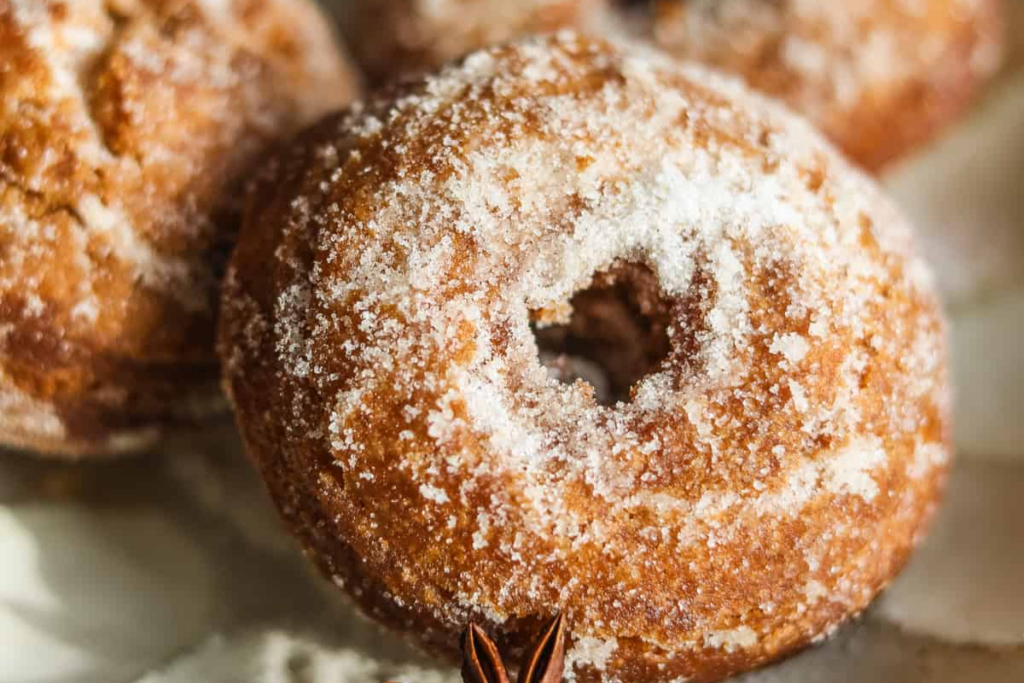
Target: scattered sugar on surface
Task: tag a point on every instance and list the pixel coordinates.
(793, 346)
(590, 652)
(848, 472)
(732, 639)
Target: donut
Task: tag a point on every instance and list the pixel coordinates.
(125, 130)
(879, 77)
(395, 38)
(774, 432)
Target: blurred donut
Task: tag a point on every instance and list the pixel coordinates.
(879, 77)
(395, 38)
(125, 129)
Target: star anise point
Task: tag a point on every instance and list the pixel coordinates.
(543, 663)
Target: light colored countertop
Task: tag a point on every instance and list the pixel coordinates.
(173, 568)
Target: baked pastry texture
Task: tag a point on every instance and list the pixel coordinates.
(395, 38)
(125, 128)
(774, 430)
(877, 76)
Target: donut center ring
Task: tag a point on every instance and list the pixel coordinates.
(618, 333)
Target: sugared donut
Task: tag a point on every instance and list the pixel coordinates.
(125, 128)
(877, 76)
(394, 38)
(755, 306)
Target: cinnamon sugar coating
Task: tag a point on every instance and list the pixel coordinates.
(125, 128)
(879, 77)
(758, 486)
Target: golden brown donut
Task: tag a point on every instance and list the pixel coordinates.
(125, 128)
(774, 345)
(394, 38)
(879, 77)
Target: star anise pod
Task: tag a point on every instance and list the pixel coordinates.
(481, 662)
(543, 663)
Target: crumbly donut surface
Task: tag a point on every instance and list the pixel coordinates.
(878, 76)
(392, 38)
(757, 488)
(125, 126)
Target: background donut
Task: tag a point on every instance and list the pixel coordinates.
(124, 131)
(753, 488)
(392, 38)
(879, 77)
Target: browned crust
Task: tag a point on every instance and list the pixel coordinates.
(368, 528)
(893, 115)
(920, 110)
(392, 39)
(897, 110)
(130, 128)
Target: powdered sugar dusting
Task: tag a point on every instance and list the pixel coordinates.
(849, 471)
(732, 639)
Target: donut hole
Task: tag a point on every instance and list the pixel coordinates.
(617, 333)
